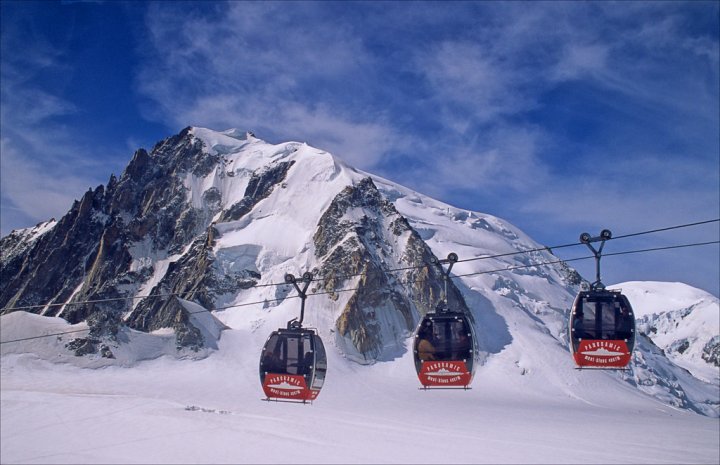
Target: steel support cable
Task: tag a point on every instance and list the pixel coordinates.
(137, 297)
(518, 252)
(537, 249)
(666, 229)
(392, 270)
(204, 310)
(95, 301)
(555, 262)
(510, 268)
(627, 252)
(44, 335)
(551, 248)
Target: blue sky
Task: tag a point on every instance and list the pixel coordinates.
(560, 117)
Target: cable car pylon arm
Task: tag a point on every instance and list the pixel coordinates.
(452, 258)
(587, 239)
(307, 279)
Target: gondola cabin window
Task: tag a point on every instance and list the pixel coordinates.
(602, 319)
(292, 355)
(320, 364)
(448, 338)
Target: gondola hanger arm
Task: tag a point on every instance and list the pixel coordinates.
(452, 258)
(587, 239)
(307, 279)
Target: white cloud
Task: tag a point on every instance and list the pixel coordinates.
(464, 94)
(471, 80)
(579, 61)
(250, 49)
(361, 144)
(257, 66)
(44, 165)
(634, 193)
(32, 191)
(504, 157)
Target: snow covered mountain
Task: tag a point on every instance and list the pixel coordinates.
(195, 237)
(682, 321)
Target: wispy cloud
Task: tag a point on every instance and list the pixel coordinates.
(470, 80)
(482, 83)
(267, 67)
(44, 164)
(33, 191)
(574, 114)
(581, 61)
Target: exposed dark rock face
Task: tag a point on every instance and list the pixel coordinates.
(151, 193)
(111, 243)
(56, 262)
(87, 256)
(260, 186)
(359, 237)
(192, 277)
(167, 241)
(711, 351)
(572, 277)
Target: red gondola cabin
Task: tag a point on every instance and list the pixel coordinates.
(601, 329)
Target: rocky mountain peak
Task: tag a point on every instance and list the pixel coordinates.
(196, 235)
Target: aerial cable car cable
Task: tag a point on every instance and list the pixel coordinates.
(517, 252)
(508, 268)
(45, 335)
(537, 249)
(485, 257)
(550, 248)
(654, 249)
(652, 231)
(568, 260)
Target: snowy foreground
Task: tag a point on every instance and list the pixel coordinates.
(210, 411)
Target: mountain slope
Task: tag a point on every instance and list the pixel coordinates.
(681, 322)
(206, 225)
